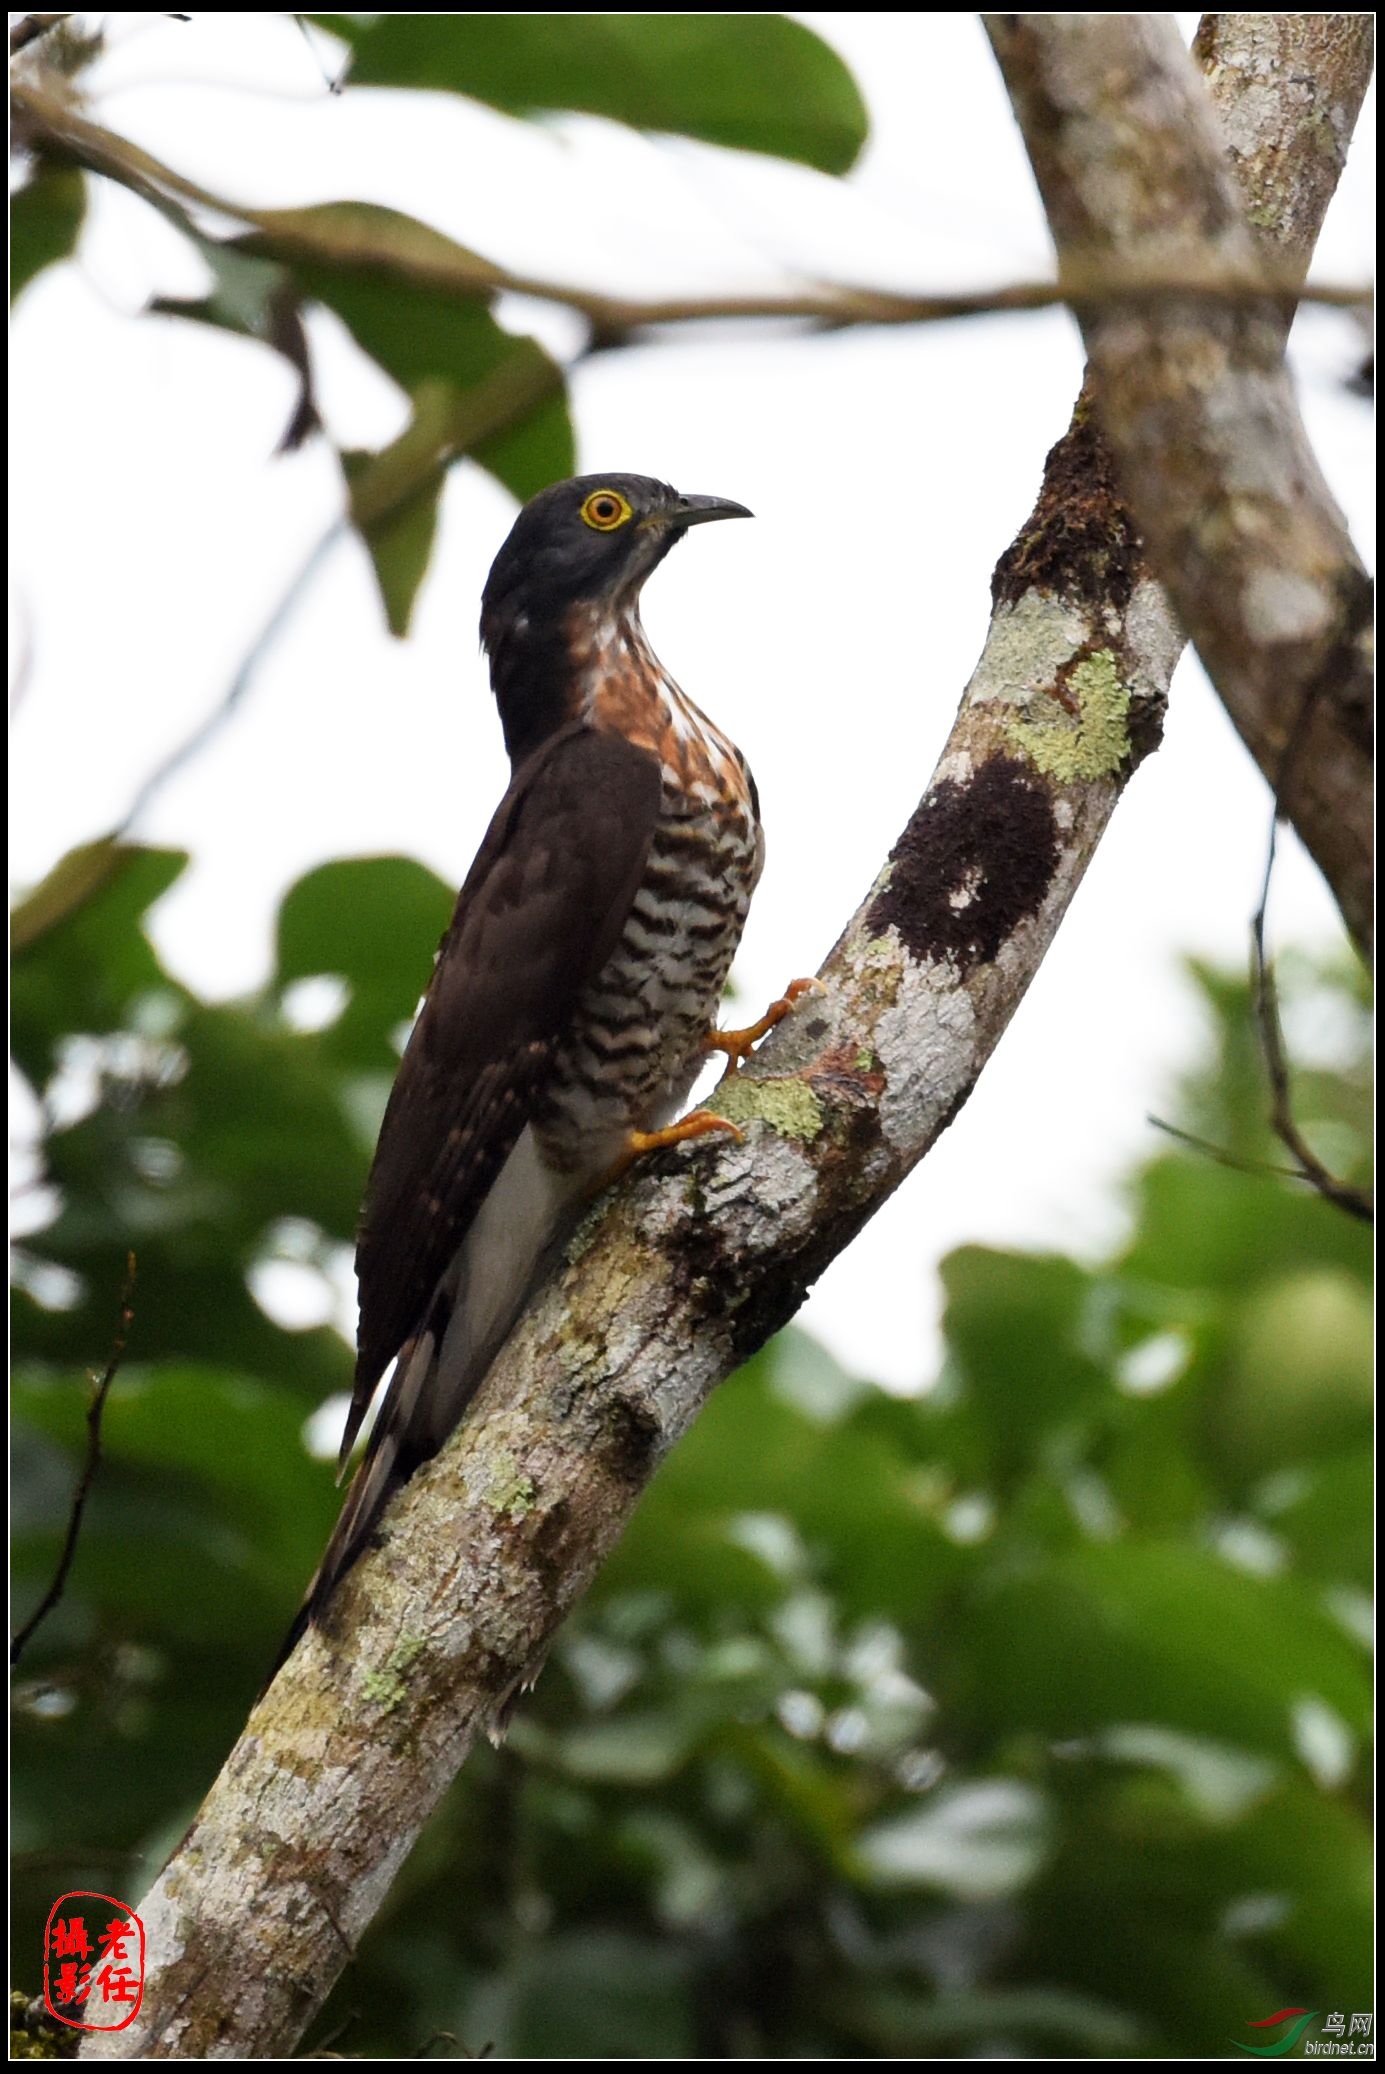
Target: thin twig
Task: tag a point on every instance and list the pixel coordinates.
(333, 86)
(240, 682)
(30, 27)
(1355, 1201)
(1223, 1156)
(324, 2045)
(90, 1465)
(1265, 995)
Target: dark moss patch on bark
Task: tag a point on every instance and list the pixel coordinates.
(631, 1437)
(1079, 542)
(974, 862)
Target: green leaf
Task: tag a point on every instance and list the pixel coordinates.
(983, 1840)
(1012, 1315)
(376, 922)
(1301, 1370)
(593, 1994)
(1323, 1510)
(45, 221)
(215, 1465)
(416, 303)
(81, 956)
(1158, 1633)
(400, 542)
(257, 299)
(756, 82)
(431, 340)
(367, 235)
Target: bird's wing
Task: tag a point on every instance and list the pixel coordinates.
(542, 909)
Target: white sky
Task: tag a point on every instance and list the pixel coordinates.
(153, 534)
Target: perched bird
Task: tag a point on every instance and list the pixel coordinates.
(574, 997)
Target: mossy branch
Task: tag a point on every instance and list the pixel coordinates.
(1197, 403)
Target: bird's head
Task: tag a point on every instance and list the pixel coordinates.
(591, 540)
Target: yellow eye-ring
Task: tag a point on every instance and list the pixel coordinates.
(604, 510)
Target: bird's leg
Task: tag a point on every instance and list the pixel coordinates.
(738, 1044)
(700, 1124)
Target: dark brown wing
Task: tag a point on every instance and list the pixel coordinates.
(541, 911)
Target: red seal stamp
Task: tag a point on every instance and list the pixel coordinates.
(93, 1962)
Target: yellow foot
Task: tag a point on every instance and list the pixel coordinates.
(700, 1124)
(738, 1044)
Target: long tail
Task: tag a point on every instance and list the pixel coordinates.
(524, 1221)
(399, 1444)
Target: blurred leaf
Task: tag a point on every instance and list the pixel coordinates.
(1015, 1326)
(1201, 1226)
(756, 82)
(904, 2023)
(595, 1994)
(1142, 1632)
(80, 955)
(632, 1751)
(980, 1840)
(894, 1727)
(400, 544)
(1301, 1370)
(416, 333)
(377, 922)
(212, 1467)
(45, 222)
(257, 299)
(443, 347)
(1323, 1509)
(358, 237)
(416, 302)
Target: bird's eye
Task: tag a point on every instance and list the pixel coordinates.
(604, 510)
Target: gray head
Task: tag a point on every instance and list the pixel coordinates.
(592, 539)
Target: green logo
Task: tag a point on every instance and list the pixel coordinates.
(1302, 2019)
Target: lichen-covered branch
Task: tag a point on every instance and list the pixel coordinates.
(1196, 401)
(671, 1282)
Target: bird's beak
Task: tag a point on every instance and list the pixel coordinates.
(697, 511)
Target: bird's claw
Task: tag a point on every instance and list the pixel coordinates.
(700, 1124)
(738, 1044)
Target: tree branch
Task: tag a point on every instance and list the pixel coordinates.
(30, 27)
(1196, 401)
(355, 234)
(672, 1281)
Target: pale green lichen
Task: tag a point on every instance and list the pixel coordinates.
(865, 1060)
(1094, 742)
(388, 1686)
(787, 1106)
(505, 1487)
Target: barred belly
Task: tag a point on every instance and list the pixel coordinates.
(636, 1043)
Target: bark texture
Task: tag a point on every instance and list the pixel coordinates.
(1196, 400)
(673, 1280)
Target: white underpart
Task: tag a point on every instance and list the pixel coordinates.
(492, 1272)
